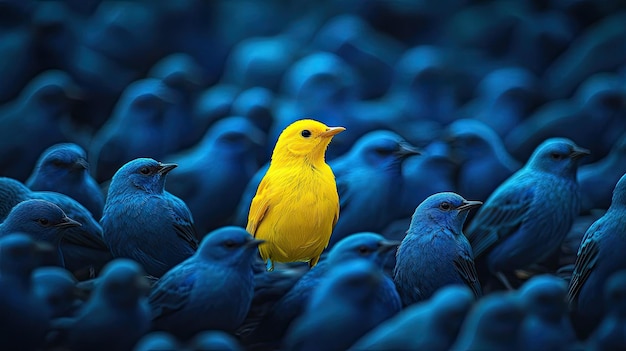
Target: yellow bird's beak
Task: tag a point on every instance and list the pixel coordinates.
(332, 131)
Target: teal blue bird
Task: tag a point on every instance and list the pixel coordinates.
(435, 253)
(370, 183)
(212, 290)
(429, 325)
(599, 257)
(56, 286)
(213, 174)
(63, 168)
(343, 308)
(360, 246)
(116, 315)
(25, 318)
(527, 217)
(611, 333)
(42, 220)
(143, 222)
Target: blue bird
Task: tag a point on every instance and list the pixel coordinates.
(213, 175)
(359, 246)
(42, 220)
(83, 247)
(430, 325)
(547, 325)
(212, 290)
(25, 317)
(141, 106)
(483, 161)
(63, 168)
(610, 334)
(527, 217)
(40, 115)
(343, 308)
(158, 341)
(214, 340)
(492, 324)
(210, 106)
(116, 315)
(257, 105)
(56, 286)
(144, 222)
(435, 253)
(599, 257)
(369, 183)
(597, 180)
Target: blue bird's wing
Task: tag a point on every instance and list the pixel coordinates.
(171, 292)
(183, 221)
(500, 217)
(464, 265)
(585, 262)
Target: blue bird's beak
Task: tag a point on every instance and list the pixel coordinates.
(254, 243)
(468, 205)
(578, 153)
(387, 245)
(165, 168)
(68, 223)
(80, 164)
(405, 150)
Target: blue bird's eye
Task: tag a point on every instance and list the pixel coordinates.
(363, 250)
(556, 156)
(144, 170)
(43, 221)
(445, 206)
(230, 244)
(306, 133)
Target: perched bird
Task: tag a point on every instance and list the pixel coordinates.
(56, 286)
(116, 315)
(296, 204)
(25, 317)
(435, 253)
(212, 290)
(599, 257)
(370, 183)
(63, 168)
(610, 335)
(547, 325)
(526, 218)
(492, 324)
(213, 175)
(359, 246)
(42, 220)
(346, 298)
(430, 325)
(144, 222)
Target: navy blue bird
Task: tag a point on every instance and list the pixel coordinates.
(42, 220)
(526, 218)
(359, 246)
(212, 290)
(56, 286)
(492, 324)
(63, 168)
(144, 222)
(547, 325)
(599, 257)
(430, 325)
(343, 308)
(435, 252)
(611, 333)
(369, 183)
(212, 105)
(213, 175)
(25, 317)
(116, 315)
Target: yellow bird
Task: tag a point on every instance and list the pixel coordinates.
(296, 205)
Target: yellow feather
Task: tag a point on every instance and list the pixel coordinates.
(296, 205)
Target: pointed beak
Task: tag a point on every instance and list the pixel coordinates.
(387, 245)
(80, 164)
(166, 168)
(405, 150)
(331, 131)
(68, 223)
(578, 153)
(254, 243)
(468, 205)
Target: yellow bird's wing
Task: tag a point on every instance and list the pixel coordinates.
(259, 206)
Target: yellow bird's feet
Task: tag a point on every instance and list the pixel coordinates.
(269, 265)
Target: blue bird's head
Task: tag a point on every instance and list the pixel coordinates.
(370, 246)
(619, 193)
(383, 150)
(144, 101)
(558, 156)
(178, 71)
(19, 255)
(123, 283)
(229, 246)
(544, 296)
(447, 209)
(495, 317)
(157, 340)
(142, 174)
(233, 135)
(356, 280)
(215, 340)
(62, 161)
(450, 306)
(12, 192)
(471, 139)
(52, 91)
(41, 219)
(615, 293)
(57, 287)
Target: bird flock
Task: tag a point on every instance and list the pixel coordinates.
(312, 175)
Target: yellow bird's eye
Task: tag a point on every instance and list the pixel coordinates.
(306, 133)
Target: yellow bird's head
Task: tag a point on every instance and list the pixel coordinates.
(305, 138)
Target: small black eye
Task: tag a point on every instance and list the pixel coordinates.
(445, 206)
(363, 250)
(43, 221)
(556, 156)
(306, 133)
(230, 244)
(144, 170)
(383, 152)
(57, 163)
